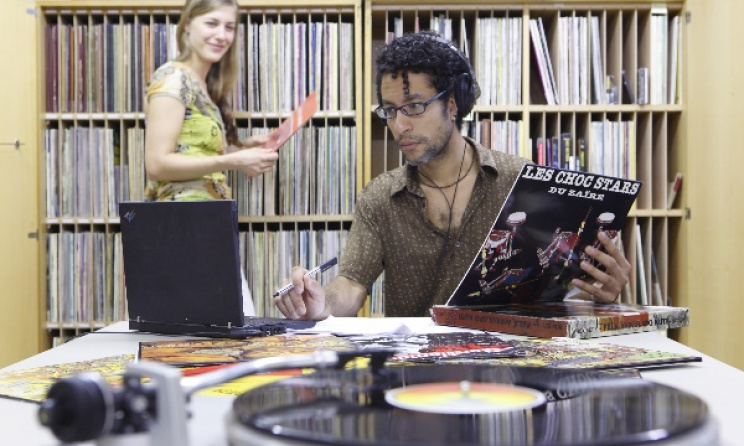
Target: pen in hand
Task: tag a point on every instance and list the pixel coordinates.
(311, 273)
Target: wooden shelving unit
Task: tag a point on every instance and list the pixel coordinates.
(96, 59)
(660, 147)
(701, 142)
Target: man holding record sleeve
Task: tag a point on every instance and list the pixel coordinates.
(423, 223)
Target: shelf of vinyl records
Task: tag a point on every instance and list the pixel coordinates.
(92, 166)
(87, 43)
(86, 278)
(578, 53)
(82, 211)
(98, 58)
(638, 145)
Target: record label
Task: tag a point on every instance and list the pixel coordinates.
(464, 397)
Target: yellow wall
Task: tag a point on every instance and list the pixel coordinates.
(19, 277)
(714, 183)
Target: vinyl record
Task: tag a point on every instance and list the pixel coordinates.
(577, 407)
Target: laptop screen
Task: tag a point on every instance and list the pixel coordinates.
(181, 261)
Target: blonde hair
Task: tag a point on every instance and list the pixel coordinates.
(223, 75)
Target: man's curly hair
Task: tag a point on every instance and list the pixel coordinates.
(426, 53)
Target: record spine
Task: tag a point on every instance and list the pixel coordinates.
(578, 327)
(514, 324)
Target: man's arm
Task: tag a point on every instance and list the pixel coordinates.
(344, 297)
(309, 300)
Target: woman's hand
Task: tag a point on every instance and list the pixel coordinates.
(252, 161)
(255, 141)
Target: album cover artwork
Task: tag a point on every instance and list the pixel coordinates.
(438, 347)
(453, 347)
(207, 352)
(486, 348)
(575, 354)
(537, 242)
(293, 122)
(241, 385)
(33, 384)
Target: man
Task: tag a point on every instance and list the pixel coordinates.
(424, 222)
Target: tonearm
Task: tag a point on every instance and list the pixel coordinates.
(84, 407)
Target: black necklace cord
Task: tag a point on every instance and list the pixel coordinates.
(450, 206)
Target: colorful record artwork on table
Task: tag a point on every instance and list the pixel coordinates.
(32, 384)
(579, 354)
(436, 347)
(201, 352)
(485, 348)
(463, 347)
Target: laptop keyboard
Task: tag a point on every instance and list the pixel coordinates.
(275, 322)
(264, 326)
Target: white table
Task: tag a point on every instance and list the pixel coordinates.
(719, 385)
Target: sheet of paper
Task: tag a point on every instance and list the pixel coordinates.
(353, 326)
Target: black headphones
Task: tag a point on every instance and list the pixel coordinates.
(464, 90)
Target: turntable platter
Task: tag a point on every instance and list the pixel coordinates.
(349, 407)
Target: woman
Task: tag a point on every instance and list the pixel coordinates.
(191, 136)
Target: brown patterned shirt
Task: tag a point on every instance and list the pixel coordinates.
(391, 231)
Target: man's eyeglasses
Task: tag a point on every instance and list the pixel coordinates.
(412, 109)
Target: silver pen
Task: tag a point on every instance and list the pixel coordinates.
(311, 273)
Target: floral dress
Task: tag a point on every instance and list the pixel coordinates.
(202, 134)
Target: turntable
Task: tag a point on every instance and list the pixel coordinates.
(528, 406)
(458, 404)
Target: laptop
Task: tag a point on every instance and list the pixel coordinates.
(182, 271)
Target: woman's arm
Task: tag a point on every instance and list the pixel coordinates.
(164, 121)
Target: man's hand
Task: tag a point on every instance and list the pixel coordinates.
(610, 282)
(307, 300)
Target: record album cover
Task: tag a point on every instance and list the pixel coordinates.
(438, 347)
(580, 354)
(293, 122)
(568, 319)
(207, 352)
(411, 348)
(33, 384)
(487, 348)
(537, 242)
